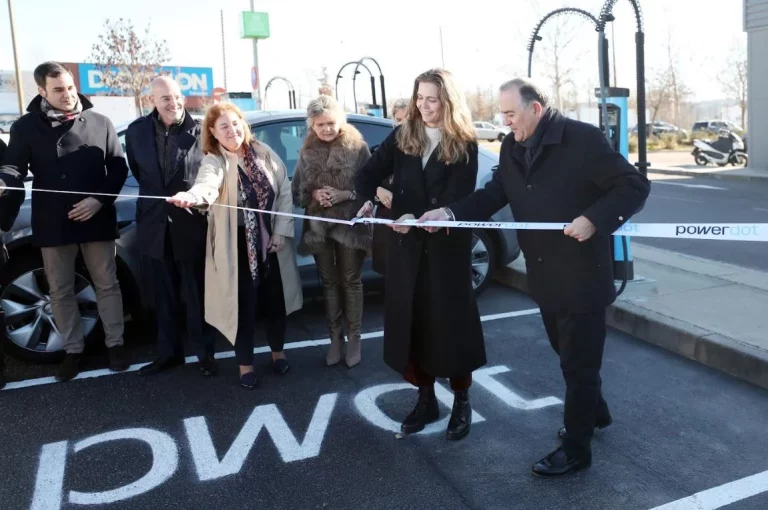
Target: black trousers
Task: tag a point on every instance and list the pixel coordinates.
(579, 339)
(258, 303)
(176, 282)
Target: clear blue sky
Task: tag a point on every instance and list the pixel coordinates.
(483, 42)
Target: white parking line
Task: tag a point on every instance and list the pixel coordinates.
(231, 354)
(698, 186)
(718, 497)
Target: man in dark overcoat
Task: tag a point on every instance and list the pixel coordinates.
(164, 154)
(555, 169)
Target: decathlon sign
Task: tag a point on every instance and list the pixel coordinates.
(194, 81)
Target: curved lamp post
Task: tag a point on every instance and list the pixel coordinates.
(602, 49)
(291, 91)
(373, 87)
(606, 14)
(354, 91)
(557, 12)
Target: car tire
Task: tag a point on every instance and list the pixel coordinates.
(483, 260)
(30, 333)
(501, 137)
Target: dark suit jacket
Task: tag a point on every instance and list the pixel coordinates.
(157, 218)
(575, 173)
(86, 158)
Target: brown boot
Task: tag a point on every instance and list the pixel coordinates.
(352, 261)
(353, 350)
(336, 348)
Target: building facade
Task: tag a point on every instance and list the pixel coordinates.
(756, 26)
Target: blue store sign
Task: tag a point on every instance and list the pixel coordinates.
(194, 81)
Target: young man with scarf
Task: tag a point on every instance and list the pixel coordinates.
(164, 154)
(555, 169)
(70, 148)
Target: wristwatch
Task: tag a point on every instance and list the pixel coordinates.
(353, 195)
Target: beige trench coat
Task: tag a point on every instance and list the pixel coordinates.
(216, 183)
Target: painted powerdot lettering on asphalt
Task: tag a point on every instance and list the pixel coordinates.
(51, 492)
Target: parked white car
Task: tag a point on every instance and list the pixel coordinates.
(5, 125)
(490, 132)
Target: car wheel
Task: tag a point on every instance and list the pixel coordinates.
(483, 260)
(501, 137)
(30, 331)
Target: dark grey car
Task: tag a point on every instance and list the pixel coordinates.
(30, 330)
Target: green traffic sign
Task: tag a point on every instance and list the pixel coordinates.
(254, 25)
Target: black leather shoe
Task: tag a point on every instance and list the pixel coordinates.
(558, 463)
(208, 366)
(461, 417)
(69, 368)
(118, 361)
(160, 365)
(249, 380)
(426, 411)
(281, 366)
(600, 425)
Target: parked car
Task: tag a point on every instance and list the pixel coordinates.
(658, 128)
(714, 126)
(30, 331)
(490, 132)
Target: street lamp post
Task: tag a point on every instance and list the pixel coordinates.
(291, 91)
(17, 66)
(354, 91)
(381, 82)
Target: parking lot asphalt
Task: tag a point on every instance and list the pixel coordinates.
(180, 441)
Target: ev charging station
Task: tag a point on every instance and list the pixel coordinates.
(614, 123)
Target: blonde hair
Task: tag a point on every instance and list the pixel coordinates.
(456, 130)
(210, 143)
(324, 105)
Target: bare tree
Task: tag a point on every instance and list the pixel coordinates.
(733, 78)
(557, 58)
(128, 60)
(657, 93)
(325, 86)
(483, 104)
(679, 91)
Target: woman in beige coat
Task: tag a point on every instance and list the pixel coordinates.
(250, 267)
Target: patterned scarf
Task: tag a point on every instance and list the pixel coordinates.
(58, 117)
(256, 192)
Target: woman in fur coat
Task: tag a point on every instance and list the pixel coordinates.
(323, 184)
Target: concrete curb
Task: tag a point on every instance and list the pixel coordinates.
(713, 175)
(712, 349)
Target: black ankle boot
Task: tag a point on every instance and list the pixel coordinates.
(426, 411)
(461, 417)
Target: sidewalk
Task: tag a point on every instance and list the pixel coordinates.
(707, 311)
(716, 172)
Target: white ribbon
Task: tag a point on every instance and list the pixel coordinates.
(715, 231)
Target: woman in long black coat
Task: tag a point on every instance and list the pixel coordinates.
(432, 325)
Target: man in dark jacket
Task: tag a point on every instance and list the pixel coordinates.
(71, 149)
(554, 169)
(164, 155)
